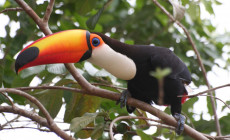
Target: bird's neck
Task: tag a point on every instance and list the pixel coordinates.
(114, 62)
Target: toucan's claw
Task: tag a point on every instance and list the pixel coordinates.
(180, 123)
(123, 98)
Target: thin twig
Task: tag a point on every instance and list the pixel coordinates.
(46, 30)
(125, 117)
(188, 118)
(48, 12)
(29, 11)
(9, 122)
(33, 100)
(11, 9)
(133, 102)
(52, 125)
(198, 58)
(27, 127)
(206, 91)
(141, 114)
(218, 99)
(43, 26)
(12, 103)
(161, 91)
(6, 120)
(28, 114)
(106, 85)
(52, 87)
(161, 126)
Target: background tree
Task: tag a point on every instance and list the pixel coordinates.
(139, 22)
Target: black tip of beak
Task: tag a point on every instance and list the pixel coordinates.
(25, 57)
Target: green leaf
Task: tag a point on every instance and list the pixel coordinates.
(208, 6)
(194, 10)
(90, 68)
(209, 105)
(80, 122)
(84, 6)
(7, 4)
(139, 4)
(92, 21)
(71, 100)
(122, 128)
(131, 42)
(178, 10)
(46, 77)
(98, 131)
(141, 121)
(143, 135)
(227, 102)
(2, 65)
(31, 71)
(205, 126)
(20, 82)
(78, 104)
(225, 125)
(100, 119)
(127, 136)
(52, 100)
(56, 68)
(160, 73)
(84, 134)
(3, 99)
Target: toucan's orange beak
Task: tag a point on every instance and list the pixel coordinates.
(69, 46)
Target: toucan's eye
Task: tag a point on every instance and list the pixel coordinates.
(95, 42)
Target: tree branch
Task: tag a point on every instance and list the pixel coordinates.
(28, 114)
(167, 119)
(199, 61)
(9, 122)
(31, 99)
(48, 11)
(206, 91)
(125, 117)
(29, 11)
(52, 125)
(42, 25)
(219, 100)
(8, 98)
(11, 9)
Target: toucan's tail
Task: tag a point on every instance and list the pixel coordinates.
(187, 90)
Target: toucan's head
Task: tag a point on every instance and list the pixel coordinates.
(63, 47)
(72, 46)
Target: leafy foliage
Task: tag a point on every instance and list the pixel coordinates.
(139, 23)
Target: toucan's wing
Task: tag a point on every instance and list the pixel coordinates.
(165, 58)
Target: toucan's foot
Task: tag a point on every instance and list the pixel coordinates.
(123, 98)
(180, 122)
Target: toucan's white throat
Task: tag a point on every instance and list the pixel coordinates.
(115, 63)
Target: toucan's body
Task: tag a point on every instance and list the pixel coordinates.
(147, 58)
(128, 62)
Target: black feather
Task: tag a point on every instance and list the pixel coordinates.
(147, 58)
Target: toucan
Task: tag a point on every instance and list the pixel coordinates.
(132, 63)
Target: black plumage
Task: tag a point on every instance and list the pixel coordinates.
(147, 58)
